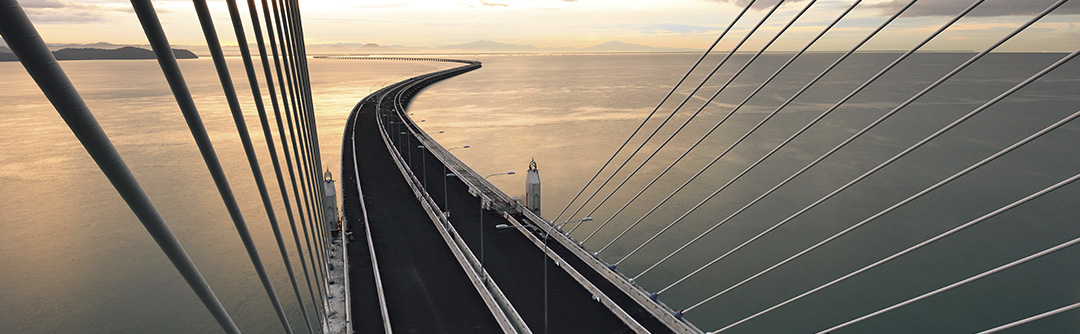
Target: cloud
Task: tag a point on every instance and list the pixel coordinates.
(760, 4)
(43, 4)
(76, 17)
(63, 11)
(493, 4)
(382, 6)
(1068, 29)
(988, 9)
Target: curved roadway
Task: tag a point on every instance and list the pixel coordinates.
(426, 289)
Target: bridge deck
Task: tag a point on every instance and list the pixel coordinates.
(511, 259)
(426, 290)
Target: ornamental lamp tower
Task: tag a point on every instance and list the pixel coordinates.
(532, 188)
(330, 198)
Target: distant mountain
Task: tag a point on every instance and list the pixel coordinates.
(355, 48)
(376, 47)
(98, 45)
(619, 46)
(490, 46)
(127, 52)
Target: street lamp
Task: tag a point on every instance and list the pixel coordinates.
(446, 200)
(482, 224)
(546, 235)
(391, 126)
(409, 149)
(423, 158)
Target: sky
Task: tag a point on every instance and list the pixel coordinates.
(684, 24)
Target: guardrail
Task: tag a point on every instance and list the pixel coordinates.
(367, 234)
(503, 311)
(345, 276)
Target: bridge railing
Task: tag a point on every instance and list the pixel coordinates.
(503, 311)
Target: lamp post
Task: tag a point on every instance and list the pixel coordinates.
(482, 226)
(391, 126)
(446, 203)
(408, 149)
(546, 235)
(446, 200)
(423, 159)
(397, 123)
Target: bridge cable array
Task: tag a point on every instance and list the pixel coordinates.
(981, 275)
(299, 144)
(35, 56)
(737, 107)
(696, 113)
(689, 96)
(716, 192)
(715, 126)
(914, 197)
(867, 128)
(647, 118)
(24, 41)
(281, 134)
(897, 157)
(965, 12)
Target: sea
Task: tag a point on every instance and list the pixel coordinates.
(76, 260)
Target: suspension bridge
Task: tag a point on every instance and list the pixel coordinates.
(423, 243)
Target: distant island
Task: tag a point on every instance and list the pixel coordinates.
(127, 52)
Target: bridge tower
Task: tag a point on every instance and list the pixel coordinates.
(330, 198)
(532, 188)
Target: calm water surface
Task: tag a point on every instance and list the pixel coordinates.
(78, 261)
